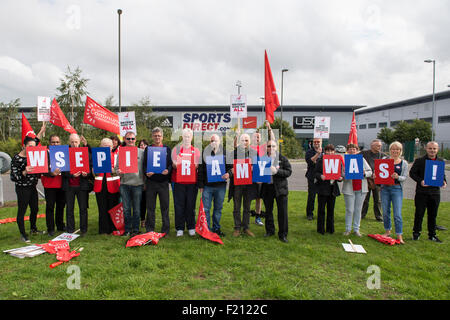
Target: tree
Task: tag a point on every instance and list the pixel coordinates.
(386, 135)
(410, 131)
(8, 119)
(290, 147)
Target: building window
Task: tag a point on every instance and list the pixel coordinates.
(394, 123)
(372, 125)
(382, 125)
(444, 119)
(362, 126)
(429, 120)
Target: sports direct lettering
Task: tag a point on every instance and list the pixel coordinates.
(207, 121)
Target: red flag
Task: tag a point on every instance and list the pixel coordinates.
(53, 246)
(202, 226)
(58, 118)
(27, 130)
(117, 218)
(353, 136)
(384, 239)
(144, 239)
(100, 117)
(270, 93)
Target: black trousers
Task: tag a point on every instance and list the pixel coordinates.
(105, 202)
(282, 206)
(241, 197)
(82, 197)
(26, 196)
(430, 203)
(184, 198)
(311, 198)
(325, 201)
(55, 199)
(153, 190)
(376, 203)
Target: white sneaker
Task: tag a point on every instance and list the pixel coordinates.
(358, 234)
(346, 233)
(192, 232)
(179, 233)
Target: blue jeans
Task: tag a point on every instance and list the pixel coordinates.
(392, 194)
(131, 198)
(218, 194)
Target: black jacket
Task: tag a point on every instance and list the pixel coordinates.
(311, 165)
(240, 153)
(202, 177)
(324, 187)
(158, 177)
(86, 183)
(417, 173)
(279, 179)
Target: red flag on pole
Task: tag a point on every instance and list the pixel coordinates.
(100, 117)
(202, 226)
(27, 130)
(58, 118)
(270, 93)
(353, 136)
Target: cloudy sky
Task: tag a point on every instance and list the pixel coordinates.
(192, 52)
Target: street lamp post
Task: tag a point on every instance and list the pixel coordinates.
(433, 117)
(281, 124)
(119, 12)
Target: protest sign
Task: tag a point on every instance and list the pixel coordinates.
(261, 169)
(354, 166)
(384, 168)
(43, 108)
(37, 158)
(242, 171)
(215, 168)
(156, 159)
(332, 166)
(434, 173)
(101, 160)
(59, 158)
(127, 122)
(79, 160)
(128, 159)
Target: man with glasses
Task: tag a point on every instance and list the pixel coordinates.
(277, 190)
(55, 196)
(311, 157)
(131, 185)
(157, 184)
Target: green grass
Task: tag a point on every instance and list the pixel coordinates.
(310, 266)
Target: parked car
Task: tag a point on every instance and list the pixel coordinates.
(340, 149)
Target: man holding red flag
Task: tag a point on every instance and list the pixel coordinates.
(270, 93)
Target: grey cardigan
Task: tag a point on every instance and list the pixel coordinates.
(402, 176)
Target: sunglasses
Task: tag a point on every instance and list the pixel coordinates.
(271, 146)
(131, 139)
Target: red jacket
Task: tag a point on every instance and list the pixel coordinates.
(112, 183)
(52, 182)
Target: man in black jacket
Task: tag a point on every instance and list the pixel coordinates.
(427, 197)
(311, 157)
(277, 190)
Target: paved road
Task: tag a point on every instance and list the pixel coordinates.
(296, 182)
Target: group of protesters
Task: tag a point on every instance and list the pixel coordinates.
(139, 191)
(357, 191)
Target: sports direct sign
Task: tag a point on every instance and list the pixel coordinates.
(207, 121)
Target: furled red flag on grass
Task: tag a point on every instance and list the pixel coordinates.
(353, 136)
(117, 218)
(270, 93)
(27, 130)
(202, 226)
(58, 118)
(144, 239)
(100, 117)
(64, 255)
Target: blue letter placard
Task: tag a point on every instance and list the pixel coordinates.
(215, 168)
(101, 160)
(434, 173)
(354, 166)
(59, 158)
(156, 159)
(261, 169)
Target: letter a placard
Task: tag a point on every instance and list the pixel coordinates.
(384, 168)
(242, 172)
(38, 159)
(332, 166)
(354, 166)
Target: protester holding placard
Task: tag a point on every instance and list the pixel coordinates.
(142, 144)
(277, 189)
(26, 192)
(241, 189)
(157, 180)
(185, 160)
(212, 182)
(394, 193)
(311, 157)
(106, 188)
(370, 155)
(354, 188)
(327, 191)
(427, 196)
(76, 184)
(129, 168)
(55, 197)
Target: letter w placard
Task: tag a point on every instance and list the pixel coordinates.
(332, 166)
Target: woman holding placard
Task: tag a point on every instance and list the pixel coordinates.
(355, 191)
(394, 193)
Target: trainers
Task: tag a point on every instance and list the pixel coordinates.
(24, 238)
(192, 232)
(36, 231)
(180, 233)
(346, 233)
(358, 234)
(435, 239)
(258, 221)
(236, 233)
(249, 233)
(416, 236)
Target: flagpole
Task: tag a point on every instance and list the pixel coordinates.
(239, 85)
(119, 12)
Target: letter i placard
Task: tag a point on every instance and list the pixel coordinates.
(434, 173)
(128, 161)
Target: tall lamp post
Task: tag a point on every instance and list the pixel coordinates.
(281, 124)
(433, 117)
(119, 12)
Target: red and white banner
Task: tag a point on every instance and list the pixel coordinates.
(37, 157)
(146, 238)
(58, 118)
(384, 168)
(100, 117)
(202, 226)
(79, 160)
(332, 166)
(128, 159)
(242, 171)
(117, 218)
